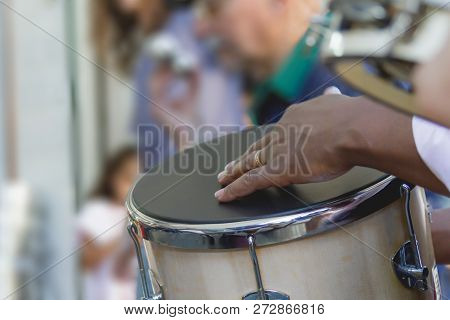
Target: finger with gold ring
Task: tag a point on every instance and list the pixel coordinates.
(258, 161)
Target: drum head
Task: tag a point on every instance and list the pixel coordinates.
(181, 190)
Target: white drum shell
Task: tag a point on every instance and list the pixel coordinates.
(352, 262)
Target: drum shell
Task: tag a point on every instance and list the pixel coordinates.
(351, 262)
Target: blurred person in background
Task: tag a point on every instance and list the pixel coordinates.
(278, 48)
(120, 26)
(177, 75)
(180, 71)
(153, 75)
(119, 30)
(107, 256)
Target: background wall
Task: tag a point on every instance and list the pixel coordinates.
(102, 100)
(43, 129)
(69, 115)
(2, 107)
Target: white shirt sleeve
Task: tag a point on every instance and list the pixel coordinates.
(433, 144)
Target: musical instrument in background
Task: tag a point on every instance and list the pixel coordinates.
(375, 44)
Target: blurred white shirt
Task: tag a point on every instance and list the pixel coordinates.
(106, 222)
(433, 144)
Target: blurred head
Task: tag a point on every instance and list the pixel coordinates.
(118, 26)
(151, 14)
(118, 174)
(128, 6)
(262, 32)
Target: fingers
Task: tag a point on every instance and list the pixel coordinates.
(248, 183)
(258, 145)
(261, 143)
(245, 163)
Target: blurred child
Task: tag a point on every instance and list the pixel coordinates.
(107, 256)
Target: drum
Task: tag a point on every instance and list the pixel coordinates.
(364, 235)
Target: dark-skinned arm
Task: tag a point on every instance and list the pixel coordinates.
(387, 144)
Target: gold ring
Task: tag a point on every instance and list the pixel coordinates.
(258, 159)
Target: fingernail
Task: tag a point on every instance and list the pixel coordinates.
(221, 175)
(228, 166)
(218, 194)
(332, 90)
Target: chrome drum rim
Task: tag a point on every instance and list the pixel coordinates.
(267, 231)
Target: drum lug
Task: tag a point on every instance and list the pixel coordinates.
(152, 288)
(410, 275)
(260, 293)
(407, 262)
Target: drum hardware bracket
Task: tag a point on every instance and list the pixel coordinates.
(155, 292)
(407, 262)
(260, 293)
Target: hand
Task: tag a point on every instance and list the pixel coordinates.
(323, 138)
(177, 111)
(308, 144)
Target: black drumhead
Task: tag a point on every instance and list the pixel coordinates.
(182, 188)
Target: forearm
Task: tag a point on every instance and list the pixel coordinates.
(383, 139)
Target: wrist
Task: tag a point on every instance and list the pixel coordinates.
(353, 142)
